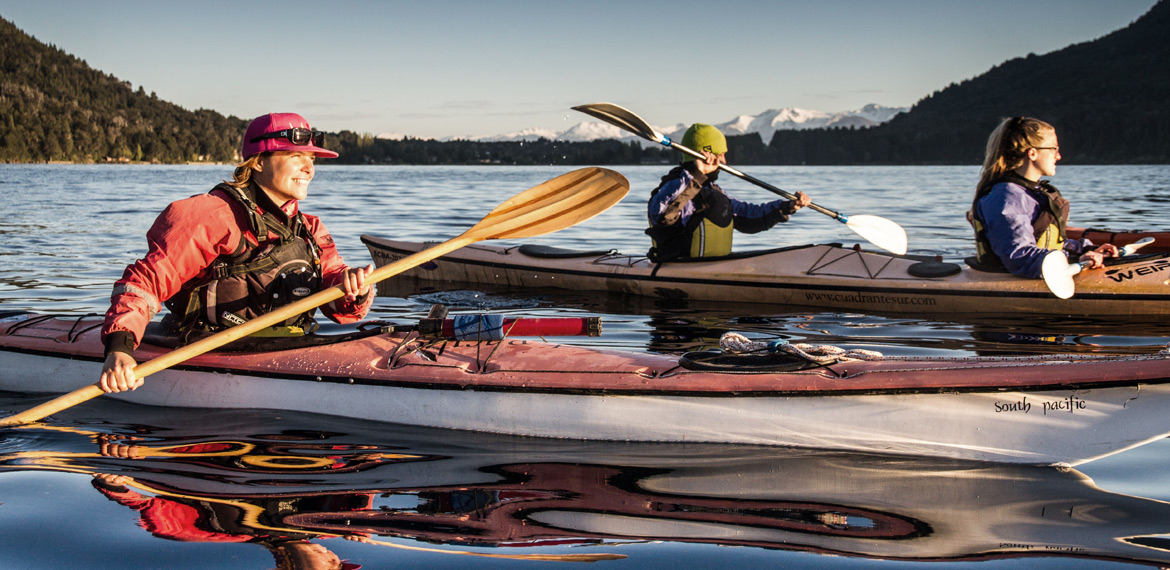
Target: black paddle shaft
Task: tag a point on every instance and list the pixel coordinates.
(782, 193)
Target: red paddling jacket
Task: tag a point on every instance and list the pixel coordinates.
(207, 261)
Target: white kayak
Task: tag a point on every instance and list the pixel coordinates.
(1037, 410)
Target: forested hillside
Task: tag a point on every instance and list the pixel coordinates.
(365, 149)
(55, 107)
(1107, 99)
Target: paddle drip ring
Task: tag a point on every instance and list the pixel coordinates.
(820, 353)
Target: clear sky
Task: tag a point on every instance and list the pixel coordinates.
(440, 68)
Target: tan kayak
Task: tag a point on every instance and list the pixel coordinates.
(824, 276)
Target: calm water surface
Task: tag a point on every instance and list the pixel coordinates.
(273, 482)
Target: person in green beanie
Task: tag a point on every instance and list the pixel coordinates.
(691, 216)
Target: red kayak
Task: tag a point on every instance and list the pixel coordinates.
(1040, 410)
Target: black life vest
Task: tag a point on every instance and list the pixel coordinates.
(255, 279)
(707, 233)
(1049, 228)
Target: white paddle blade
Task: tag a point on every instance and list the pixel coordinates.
(1133, 247)
(879, 231)
(1058, 274)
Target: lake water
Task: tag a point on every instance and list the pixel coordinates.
(268, 482)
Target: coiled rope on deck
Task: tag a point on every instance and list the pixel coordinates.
(820, 353)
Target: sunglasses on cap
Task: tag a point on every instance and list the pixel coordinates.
(299, 136)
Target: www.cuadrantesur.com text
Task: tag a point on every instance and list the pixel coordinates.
(870, 299)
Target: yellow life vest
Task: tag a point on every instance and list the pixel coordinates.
(1048, 227)
(1050, 238)
(711, 240)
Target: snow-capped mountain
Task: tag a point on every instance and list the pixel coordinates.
(766, 124)
(794, 119)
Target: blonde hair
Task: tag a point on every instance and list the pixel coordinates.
(1008, 145)
(242, 176)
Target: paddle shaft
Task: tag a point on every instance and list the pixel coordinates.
(835, 215)
(877, 230)
(239, 331)
(1123, 251)
(627, 120)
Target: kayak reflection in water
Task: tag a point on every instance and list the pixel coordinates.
(189, 516)
(691, 216)
(197, 519)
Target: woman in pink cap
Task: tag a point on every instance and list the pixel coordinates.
(239, 251)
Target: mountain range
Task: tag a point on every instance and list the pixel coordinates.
(765, 124)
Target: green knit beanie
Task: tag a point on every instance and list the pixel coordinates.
(702, 137)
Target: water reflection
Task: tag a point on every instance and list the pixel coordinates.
(288, 484)
(675, 326)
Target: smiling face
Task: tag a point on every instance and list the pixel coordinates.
(285, 176)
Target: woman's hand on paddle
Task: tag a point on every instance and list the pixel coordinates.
(1096, 258)
(355, 282)
(1109, 250)
(118, 373)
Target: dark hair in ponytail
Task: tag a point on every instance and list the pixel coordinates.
(1007, 147)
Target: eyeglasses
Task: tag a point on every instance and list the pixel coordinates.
(299, 136)
(1055, 149)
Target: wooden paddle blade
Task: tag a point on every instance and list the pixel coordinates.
(880, 231)
(622, 118)
(52, 406)
(1058, 274)
(557, 204)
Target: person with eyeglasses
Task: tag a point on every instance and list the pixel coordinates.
(239, 251)
(1019, 218)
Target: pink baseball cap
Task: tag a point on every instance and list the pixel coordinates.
(278, 131)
